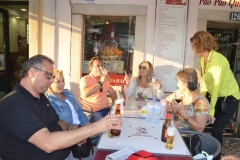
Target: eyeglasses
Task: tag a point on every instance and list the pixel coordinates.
(100, 89)
(48, 75)
(140, 67)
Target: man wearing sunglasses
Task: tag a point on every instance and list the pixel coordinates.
(30, 128)
(95, 87)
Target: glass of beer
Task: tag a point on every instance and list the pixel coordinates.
(170, 136)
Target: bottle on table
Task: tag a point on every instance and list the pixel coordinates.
(156, 112)
(149, 110)
(170, 135)
(163, 104)
(123, 95)
(116, 132)
(164, 127)
(154, 89)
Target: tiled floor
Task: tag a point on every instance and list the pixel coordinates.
(231, 146)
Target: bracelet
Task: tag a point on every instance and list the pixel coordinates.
(99, 82)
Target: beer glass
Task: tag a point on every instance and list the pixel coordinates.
(170, 136)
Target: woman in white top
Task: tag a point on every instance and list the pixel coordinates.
(139, 88)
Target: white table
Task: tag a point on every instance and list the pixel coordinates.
(141, 135)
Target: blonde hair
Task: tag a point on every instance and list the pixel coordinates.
(150, 71)
(57, 74)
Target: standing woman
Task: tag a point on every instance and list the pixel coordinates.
(139, 88)
(217, 82)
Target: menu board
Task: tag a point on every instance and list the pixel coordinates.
(171, 22)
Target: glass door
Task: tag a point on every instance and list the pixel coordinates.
(5, 79)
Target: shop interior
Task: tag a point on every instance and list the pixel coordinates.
(18, 39)
(112, 38)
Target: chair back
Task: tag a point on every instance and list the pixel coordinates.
(89, 113)
(208, 143)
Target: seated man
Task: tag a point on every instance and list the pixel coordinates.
(94, 88)
(29, 126)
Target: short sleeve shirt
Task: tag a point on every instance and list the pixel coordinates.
(21, 116)
(98, 100)
(199, 107)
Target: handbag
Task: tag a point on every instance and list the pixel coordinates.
(223, 108)
(143, 155)
(83, 150)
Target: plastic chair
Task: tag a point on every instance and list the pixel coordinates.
(208, 143)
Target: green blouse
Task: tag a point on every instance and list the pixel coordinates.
(217, 78)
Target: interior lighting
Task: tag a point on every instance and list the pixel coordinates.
(23, 9)
(18, 17)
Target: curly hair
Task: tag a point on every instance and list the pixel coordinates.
(203, 41)
(150, 72)
(188, 75)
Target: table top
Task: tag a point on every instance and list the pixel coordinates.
(141, 135)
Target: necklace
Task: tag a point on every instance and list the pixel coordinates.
(140, 94)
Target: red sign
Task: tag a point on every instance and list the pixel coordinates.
(176, 2)
(115, 80)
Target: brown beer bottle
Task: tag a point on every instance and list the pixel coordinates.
(116, 132)
(164, 127)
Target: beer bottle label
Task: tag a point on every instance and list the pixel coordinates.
(165, 135)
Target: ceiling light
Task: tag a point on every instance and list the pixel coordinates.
(17, 17)
(23, 9)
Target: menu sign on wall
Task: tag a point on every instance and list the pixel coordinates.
(169, 41)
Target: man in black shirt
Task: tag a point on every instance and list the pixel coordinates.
(29, 126)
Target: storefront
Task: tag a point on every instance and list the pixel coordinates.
(67, 33)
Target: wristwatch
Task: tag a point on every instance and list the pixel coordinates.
(99, 82)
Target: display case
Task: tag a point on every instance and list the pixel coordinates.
(111, 38)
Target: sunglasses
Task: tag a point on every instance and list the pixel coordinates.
(100, 89)
(142, 67)
(48, 75)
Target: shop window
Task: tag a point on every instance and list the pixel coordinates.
(111, 38)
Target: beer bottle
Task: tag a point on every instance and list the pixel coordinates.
(164, 127)
(123, 95)
(116, 132)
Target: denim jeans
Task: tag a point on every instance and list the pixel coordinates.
(97, 116)
(100, 114)
(223, 119)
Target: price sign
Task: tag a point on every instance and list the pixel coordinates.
(235, 16)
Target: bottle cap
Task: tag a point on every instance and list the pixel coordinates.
(168, 116)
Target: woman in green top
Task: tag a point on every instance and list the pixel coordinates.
(217, 81)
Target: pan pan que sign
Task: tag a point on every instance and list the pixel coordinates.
(235, 16)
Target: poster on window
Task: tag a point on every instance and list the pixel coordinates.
(171, 21)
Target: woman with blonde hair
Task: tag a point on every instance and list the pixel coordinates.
(65, 105)
(139, 88)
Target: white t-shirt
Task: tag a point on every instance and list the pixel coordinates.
(74, 113)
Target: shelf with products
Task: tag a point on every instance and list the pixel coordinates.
(111, 38)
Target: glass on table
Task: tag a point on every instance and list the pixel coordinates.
(171, 130)
(133, 105)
